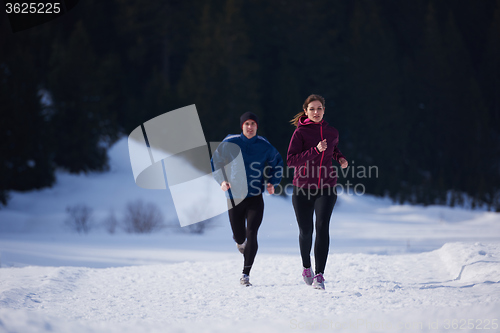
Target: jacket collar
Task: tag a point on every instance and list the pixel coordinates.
(247, 140)
(303, 121)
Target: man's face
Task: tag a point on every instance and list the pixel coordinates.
(249, 128)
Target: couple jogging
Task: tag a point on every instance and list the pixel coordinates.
(312, 148)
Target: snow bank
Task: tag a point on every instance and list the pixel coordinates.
(472, 263)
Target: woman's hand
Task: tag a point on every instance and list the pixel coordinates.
(322, 146)
(270, 188)
(343, 163)
(225, 186)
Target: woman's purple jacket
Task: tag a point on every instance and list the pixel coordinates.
(313, 169)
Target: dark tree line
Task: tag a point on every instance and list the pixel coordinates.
(412, 86)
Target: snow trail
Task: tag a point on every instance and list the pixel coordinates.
(201, 295)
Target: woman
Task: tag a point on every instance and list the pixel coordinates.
(245, 203)
(312, 148)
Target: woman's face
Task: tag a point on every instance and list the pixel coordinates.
(315, 111)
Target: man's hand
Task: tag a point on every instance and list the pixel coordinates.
(225, 186)
(270, 188)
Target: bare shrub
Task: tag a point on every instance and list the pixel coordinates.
(79, 218)
(111, 223)
(142, 218)
(199, 227)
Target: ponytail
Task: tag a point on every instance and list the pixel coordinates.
(295, 120)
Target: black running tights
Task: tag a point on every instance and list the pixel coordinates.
(306, 203)
(252, 210)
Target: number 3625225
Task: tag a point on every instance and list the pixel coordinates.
(33, 8)
(478, 324)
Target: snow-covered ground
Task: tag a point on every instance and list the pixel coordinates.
(391, 267)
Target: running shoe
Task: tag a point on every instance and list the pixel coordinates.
(318, 282)
(245, 280)
(307, 274)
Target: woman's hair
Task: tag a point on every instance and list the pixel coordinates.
(311, 98)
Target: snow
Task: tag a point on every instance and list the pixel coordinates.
(391, 267)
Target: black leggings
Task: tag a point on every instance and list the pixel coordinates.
(306, 203)
(252, 210)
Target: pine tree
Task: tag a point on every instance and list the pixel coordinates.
(490, 131)
(219, 76)
(82, 121)
(372, 98)
(26, 154)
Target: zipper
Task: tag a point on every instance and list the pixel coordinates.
(322, 155)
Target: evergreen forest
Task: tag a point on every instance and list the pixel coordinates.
(413, 86)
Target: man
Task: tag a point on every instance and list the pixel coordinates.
(260, 159)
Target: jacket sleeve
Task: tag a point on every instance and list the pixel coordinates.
(219, 159)
(337, 154)
(275, 161)
(295, 157)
